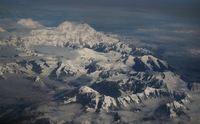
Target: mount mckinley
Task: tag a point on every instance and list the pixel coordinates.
(78, 75)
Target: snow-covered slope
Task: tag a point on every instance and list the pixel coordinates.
(29, 23)
(2, 30)
(69, 34)
(97, 72)
(66, 34)
(151, 63)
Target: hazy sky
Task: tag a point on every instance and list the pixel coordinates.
(183, 8)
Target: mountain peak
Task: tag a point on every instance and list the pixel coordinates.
(66, 24)
(86, 89)
(29, 23)
(2, 30)
(72, 26)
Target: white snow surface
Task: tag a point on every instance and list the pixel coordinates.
(2, 30)
(66, 33)
(147, 58)
(29, 23)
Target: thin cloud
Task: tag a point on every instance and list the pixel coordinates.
(181, 8)
(195, 52)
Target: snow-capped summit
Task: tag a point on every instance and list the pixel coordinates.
(2, 30)
(149, 62)
(90, 99)
(66, 26)
(67, 34)
(29, 23)
(71, 26)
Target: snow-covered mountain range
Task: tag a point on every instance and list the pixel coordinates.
(79, 66)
